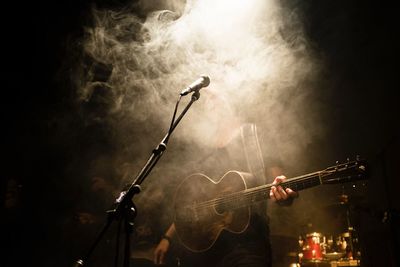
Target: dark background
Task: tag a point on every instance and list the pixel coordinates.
(358, 40)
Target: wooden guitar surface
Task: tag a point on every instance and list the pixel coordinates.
(198, 222)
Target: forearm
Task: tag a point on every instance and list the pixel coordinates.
(163, 246)
(170, 233)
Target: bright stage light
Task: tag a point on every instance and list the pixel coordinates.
(226, 16)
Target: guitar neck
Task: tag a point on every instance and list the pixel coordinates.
(260, 193)
(301, 182)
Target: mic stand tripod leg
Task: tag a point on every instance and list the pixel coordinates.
(82, 261)
(130, 215)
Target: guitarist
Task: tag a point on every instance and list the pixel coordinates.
(252, 247)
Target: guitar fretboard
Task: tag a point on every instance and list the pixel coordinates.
(260, 193)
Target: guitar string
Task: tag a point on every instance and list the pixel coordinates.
(263, 188)
(254, 191)
(288, 182)
(305, 180)
(251, 191)
(239, 198)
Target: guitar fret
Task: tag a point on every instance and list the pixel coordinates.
(299, 185)
(253, 195)
(250, 196)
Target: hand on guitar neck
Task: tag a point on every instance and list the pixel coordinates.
(280, 195)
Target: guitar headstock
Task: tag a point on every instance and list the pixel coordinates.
(349, 171)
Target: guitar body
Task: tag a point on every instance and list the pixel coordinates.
(199, 218)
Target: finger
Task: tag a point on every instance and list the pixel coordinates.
(159, 257)
(156, 257)
(271, 193)
(292, 193)
(279, 179)
(276, 194)
(282, 193)
(162, 258)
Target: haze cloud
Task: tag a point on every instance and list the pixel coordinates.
(261, 67)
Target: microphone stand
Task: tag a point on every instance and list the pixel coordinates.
(124, 208)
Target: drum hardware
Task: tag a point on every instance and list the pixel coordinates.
(344, 244)
(319, 249)
(333, 256)
(312, 247)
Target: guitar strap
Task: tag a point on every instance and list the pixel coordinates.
(255, 163)
(253, 154)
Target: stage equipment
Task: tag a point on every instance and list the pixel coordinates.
(341, 249)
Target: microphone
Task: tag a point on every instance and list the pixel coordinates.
(203, 81)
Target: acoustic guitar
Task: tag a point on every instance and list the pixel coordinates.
(204, 207)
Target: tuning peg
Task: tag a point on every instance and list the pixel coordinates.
(348, 159)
